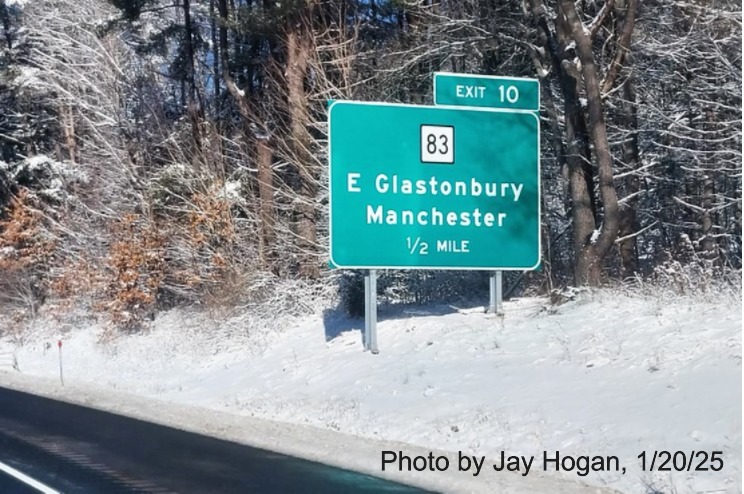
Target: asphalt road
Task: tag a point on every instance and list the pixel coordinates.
(73, 449)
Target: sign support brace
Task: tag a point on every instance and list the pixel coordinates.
(496, 296)
(370, 311)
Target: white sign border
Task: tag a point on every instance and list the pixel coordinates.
(449, 268)
(481, 76)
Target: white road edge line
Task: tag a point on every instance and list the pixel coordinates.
(27, 480)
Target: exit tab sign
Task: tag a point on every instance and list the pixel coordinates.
(513, 93)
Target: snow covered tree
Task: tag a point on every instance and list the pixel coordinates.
(191, 136)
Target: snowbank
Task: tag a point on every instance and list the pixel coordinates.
(609, 374)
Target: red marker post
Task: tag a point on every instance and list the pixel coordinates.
(59, 345)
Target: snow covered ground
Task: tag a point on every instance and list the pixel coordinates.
(607, 374)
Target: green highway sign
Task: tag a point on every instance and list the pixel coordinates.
(513, 93)
(433, 187)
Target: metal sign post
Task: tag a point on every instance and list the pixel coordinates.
(61, 378)
(496, 296)
(370, 311)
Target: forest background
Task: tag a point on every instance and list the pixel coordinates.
(156, 154)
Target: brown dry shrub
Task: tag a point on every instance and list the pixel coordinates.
(73, 286)
(210, 221)
(136, 269)
(155, 264)
(26, 249)
(149, 263)
(211, 238)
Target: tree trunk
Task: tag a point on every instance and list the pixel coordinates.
(189, 42)
(628, 222)
(5, 18)
(224, 55)
(706, 222)
(580, 175)
(623, 59)
(588, 267)
(215, 58)
(298, 53)
(68, 128)
(266, 198)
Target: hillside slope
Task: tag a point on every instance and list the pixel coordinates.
(607, 374)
